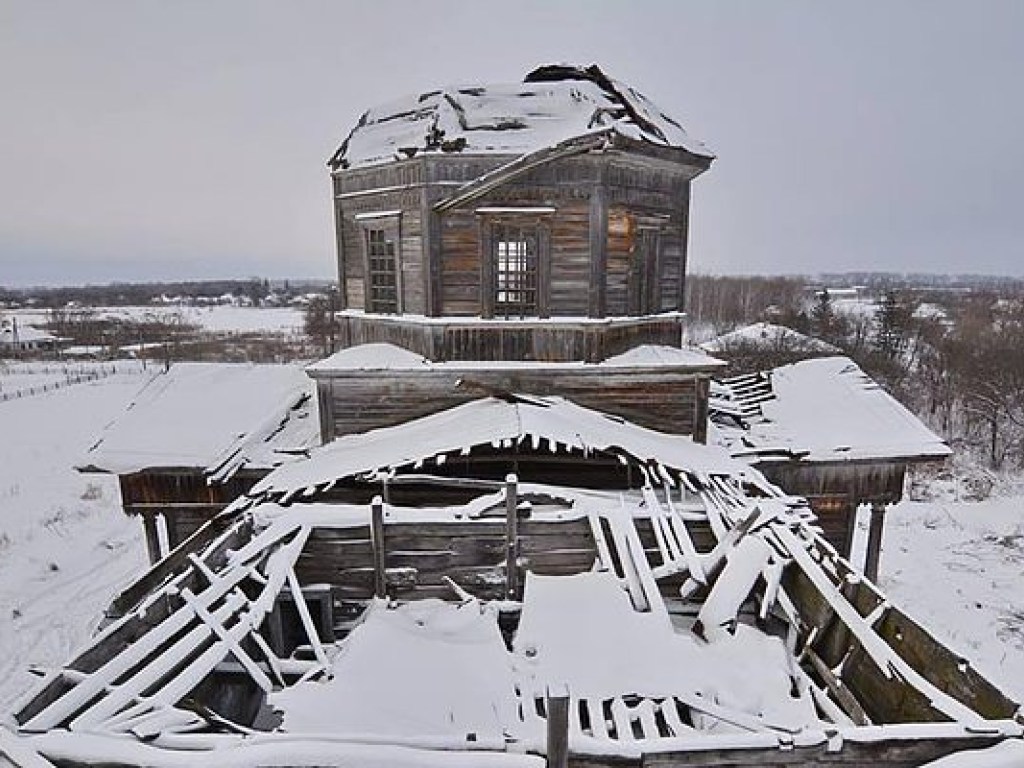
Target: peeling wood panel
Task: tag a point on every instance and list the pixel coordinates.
(414, 299)
(671, 269)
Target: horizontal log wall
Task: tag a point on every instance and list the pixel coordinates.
(183, 497)
(420, 555)
(446, 277)
(865, 482)
(837, 516)
(393, 187)
(667, 401)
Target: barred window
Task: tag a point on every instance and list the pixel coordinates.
(515, 271)
(382, 272)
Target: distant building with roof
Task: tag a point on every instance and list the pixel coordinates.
(17, 338)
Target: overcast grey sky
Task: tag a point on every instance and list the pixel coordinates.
(151, 140)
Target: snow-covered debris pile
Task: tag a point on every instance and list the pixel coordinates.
(554, 104)
(768, 337)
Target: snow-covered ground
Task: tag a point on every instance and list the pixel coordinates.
(25, 379)
(958, 569)
(219, 318)
(66, 548)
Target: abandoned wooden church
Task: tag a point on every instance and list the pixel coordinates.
(497, 527)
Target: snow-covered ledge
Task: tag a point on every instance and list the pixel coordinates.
(551, 339)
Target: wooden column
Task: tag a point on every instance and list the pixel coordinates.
(431, 239)
(557, 707)
(511, 539)
(339, 237)
(488, 280)
(325, 409)
(377, 538)
(875, 541)
(684, 210)
(701, 395)
(152, 538)
(598, 251)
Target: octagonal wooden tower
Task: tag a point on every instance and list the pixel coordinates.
(555, 202)
(542, 223)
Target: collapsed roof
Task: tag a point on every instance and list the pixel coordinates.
(554, 104)
(819, 410)
(649, 607)
(538, 422)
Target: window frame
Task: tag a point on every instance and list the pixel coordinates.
(536, 280)
(390, 231)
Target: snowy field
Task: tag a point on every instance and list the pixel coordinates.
(219, 319)
(27, 379)
(958, 568)
(65, 547)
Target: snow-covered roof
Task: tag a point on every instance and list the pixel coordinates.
(825, 409)
(382, 356)
(12, 332)
(538, 421)
(553, 105)
(767, 336)
(215, 417)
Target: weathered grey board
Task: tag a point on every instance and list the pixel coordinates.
(554, 341)
(443, 262)
(663, 399)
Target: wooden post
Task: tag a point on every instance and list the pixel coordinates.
(875, 541)
(598, 243)
(511, 539)
(377, 538)
(152, 539)
(557, 707)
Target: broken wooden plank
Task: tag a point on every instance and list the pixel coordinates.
(307, 620)
(257, 674)
(884, 657)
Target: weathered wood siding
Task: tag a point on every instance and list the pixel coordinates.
(420, 555)
(442, 254)
(460, 264)
(552, 342)
(570, 259)
(664, 400)
(183, 497)
(864, 482)
(395, 187)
